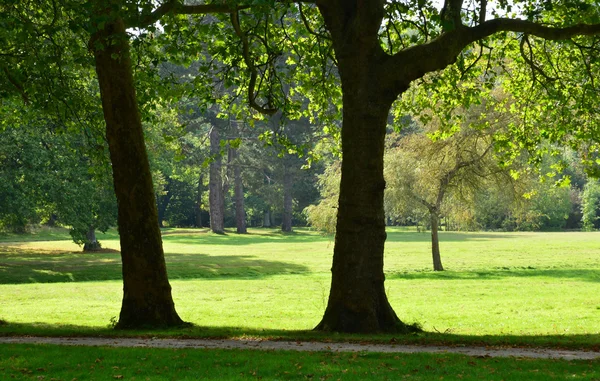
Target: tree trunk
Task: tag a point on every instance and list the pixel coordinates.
(435, 243)
(215, 187)
(286, 223)
(240, 212)
(357, 300)
(52, 220)
(163, 203)
(200, 189)
(91, 243)
(267, 218)
(147, 300)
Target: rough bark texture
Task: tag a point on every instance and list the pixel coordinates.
(215, 187)
(240, 212)
(357, 300)
(435, 243)
(288, 182)
(147, 300)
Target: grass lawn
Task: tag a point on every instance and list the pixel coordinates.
(499, 288)
(47, 362)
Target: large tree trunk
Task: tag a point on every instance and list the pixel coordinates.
(215, 187)
(147, 300)
(286, 223)
(357, 300)
(435, 243)
(240, 212)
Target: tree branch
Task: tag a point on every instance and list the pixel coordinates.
(307, 24)
(482, 11)
(13, 81)
(437, 54)
(235, 21)
(176, 7)
(451, 15)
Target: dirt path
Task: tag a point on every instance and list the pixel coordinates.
(304, 346)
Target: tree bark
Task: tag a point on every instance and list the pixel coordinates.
(357, 300)
(147, 300)
(435, 243)
(286, 223)
(215, 187)
(240, 212)
(91, 243)
(199, 191)
(267, 218)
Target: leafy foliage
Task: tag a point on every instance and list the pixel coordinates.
(591, 205)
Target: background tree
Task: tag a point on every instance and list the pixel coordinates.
(591, 205)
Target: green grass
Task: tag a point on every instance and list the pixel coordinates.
(48, 362)
(499, 288)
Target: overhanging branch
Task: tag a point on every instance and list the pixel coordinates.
(176, 7)
(235, 21)
(414, 62)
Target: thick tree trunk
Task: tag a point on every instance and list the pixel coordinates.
(198, 210)
(240, 212)
(91, 243)
(215, 187)
(147, 300)
(357, 300)
(435, 243)
(286, 223)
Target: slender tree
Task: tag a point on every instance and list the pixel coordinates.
(420, 171)
(216, 193)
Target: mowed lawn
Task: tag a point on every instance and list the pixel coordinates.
(496, 284)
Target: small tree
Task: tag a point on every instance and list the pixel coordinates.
(322, 216)
(421, 173)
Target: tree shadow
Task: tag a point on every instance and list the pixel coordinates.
(30, 267)
(253, 237)
(588, 275)
(395, 236)
(572, 341)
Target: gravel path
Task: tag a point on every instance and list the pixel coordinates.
(304, 346)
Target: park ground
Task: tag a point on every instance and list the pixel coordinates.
(500, 289)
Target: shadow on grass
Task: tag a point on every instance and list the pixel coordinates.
(579, 274)
(400, 236)
(45, 233)
(579, 341)
(31, 267)
(254, 236)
